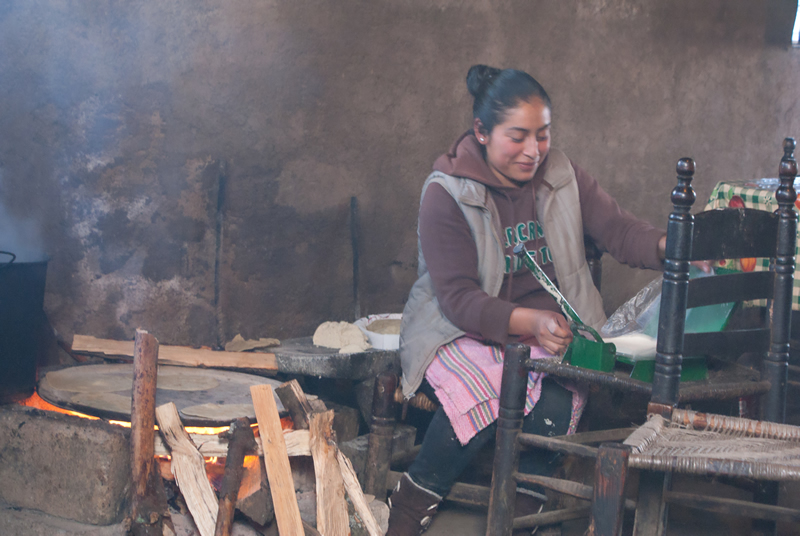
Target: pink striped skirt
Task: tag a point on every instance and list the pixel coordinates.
(466, 375)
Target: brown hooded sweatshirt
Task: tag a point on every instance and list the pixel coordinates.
(452, 257)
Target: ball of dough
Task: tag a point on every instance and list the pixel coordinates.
(341, 335)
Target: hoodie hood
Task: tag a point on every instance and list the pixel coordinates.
(465, 159)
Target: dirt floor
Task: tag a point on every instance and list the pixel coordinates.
(454, 520)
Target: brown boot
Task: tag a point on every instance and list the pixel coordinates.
(411, 508)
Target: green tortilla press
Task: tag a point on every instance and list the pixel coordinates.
(591, 353)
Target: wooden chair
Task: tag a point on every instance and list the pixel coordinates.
(677, 441)
(760, 234)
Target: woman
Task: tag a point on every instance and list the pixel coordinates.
(500, 184)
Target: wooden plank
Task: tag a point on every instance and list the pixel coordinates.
(557, 445)
(211, 445)
(297, 442)
(189, 469)
(551, 518)
(276, 459)
(296, 403)
(356, 495)
(332, 518)
(567, 487)
(733, 507)
(178, 355)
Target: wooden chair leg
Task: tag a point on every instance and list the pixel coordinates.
(651, 510)
(379, 448)
(509, 425)
(608, 497)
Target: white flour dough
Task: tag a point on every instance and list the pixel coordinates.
(341, 335)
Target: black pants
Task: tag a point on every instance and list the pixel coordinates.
(442, 458)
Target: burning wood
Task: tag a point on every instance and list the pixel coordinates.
(276, 459)
(188, 465)
(212, 446)
(296, 403)
(301, 410)
(332, 519)
(356, 495)
(254, 499)
(241, 440)
(189, 469)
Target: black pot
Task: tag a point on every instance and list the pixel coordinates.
(21, 321)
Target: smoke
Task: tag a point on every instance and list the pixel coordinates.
(19, 236)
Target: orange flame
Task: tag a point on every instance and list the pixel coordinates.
(35, 401)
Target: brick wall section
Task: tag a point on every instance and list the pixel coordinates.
(63, 465)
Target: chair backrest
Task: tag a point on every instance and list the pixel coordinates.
(729, 233)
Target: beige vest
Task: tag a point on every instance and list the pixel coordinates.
(424, 326)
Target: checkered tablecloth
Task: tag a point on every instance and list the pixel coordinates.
(758, 194)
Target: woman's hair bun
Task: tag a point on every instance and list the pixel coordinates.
(479, 78)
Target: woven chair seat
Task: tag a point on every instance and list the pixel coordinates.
(698, 443)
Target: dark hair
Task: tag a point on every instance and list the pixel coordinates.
(496, 91)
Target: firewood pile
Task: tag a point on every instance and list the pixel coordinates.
(257, 479)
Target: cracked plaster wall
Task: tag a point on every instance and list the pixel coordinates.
(144, 143)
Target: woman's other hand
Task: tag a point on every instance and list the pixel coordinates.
(550, 329)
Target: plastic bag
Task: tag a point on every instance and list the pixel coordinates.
(637, 313)
(636, 321)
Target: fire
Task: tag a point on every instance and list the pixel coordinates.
(35, 401)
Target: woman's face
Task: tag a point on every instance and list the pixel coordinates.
(516, 147)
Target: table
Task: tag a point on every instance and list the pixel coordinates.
(758, 194)
(301, 356)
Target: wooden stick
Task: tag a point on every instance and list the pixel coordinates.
(332, 518)
(279, 473)
(309, 530)
(146, 512)
(296, 403)
(178, 355)
(357, 495)
(211, 445)
(297, 442)
(241, 440)
(189, 469)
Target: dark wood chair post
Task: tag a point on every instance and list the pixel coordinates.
(379, 451)
(509, 425)
(776, 364)
(777, 360)
(674, 292)
(608, 496)
(593, 259)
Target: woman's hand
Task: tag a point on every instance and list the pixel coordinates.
(550, 329)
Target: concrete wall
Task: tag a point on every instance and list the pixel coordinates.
(188, 165)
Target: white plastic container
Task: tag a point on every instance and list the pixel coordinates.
(380, 340)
